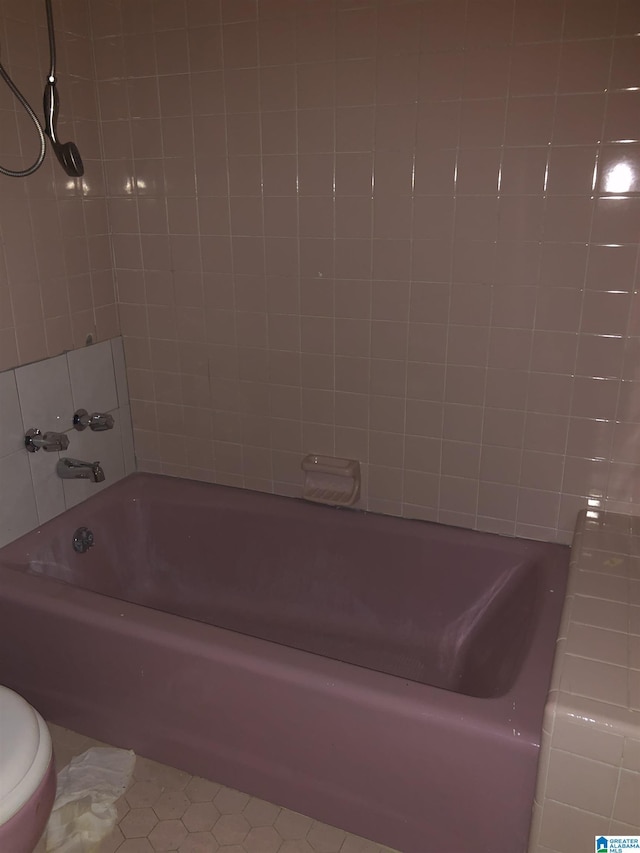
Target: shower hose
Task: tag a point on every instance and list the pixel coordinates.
(22, 173)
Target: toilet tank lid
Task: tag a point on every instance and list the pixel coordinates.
(25, 752)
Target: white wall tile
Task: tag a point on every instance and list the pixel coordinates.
(11, 429)
(45, 394)
(18, 513)
(93, 384)
(627, 805)
(120, 370)
(579, 782)
(126, 430)
(47, 486)
(631, 757)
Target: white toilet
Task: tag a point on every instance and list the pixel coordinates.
(27, 774)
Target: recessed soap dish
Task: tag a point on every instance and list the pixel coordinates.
(329, 480)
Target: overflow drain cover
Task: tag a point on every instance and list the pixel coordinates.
(82, 540)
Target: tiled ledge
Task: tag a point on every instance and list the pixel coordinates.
(589, 771)
(45, 394)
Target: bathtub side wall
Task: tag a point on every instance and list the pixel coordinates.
(44, 395)
(369, 753)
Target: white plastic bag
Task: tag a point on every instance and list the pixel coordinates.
(84, 812)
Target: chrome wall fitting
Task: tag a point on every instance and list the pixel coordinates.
(52, 442)
(76, 469)
(97, 422)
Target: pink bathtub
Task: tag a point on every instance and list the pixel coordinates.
(382, 675)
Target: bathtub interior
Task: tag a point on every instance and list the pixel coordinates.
(412, 599)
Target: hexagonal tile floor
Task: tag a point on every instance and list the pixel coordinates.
(165, 809)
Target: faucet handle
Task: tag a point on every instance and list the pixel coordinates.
(51, 442)
(97, 422)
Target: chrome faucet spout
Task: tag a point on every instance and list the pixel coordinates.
(76, 469)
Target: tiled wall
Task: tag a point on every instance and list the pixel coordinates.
(589, 771)
(405, 232)
(44, 395)
(56, 277)
(363, 229)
